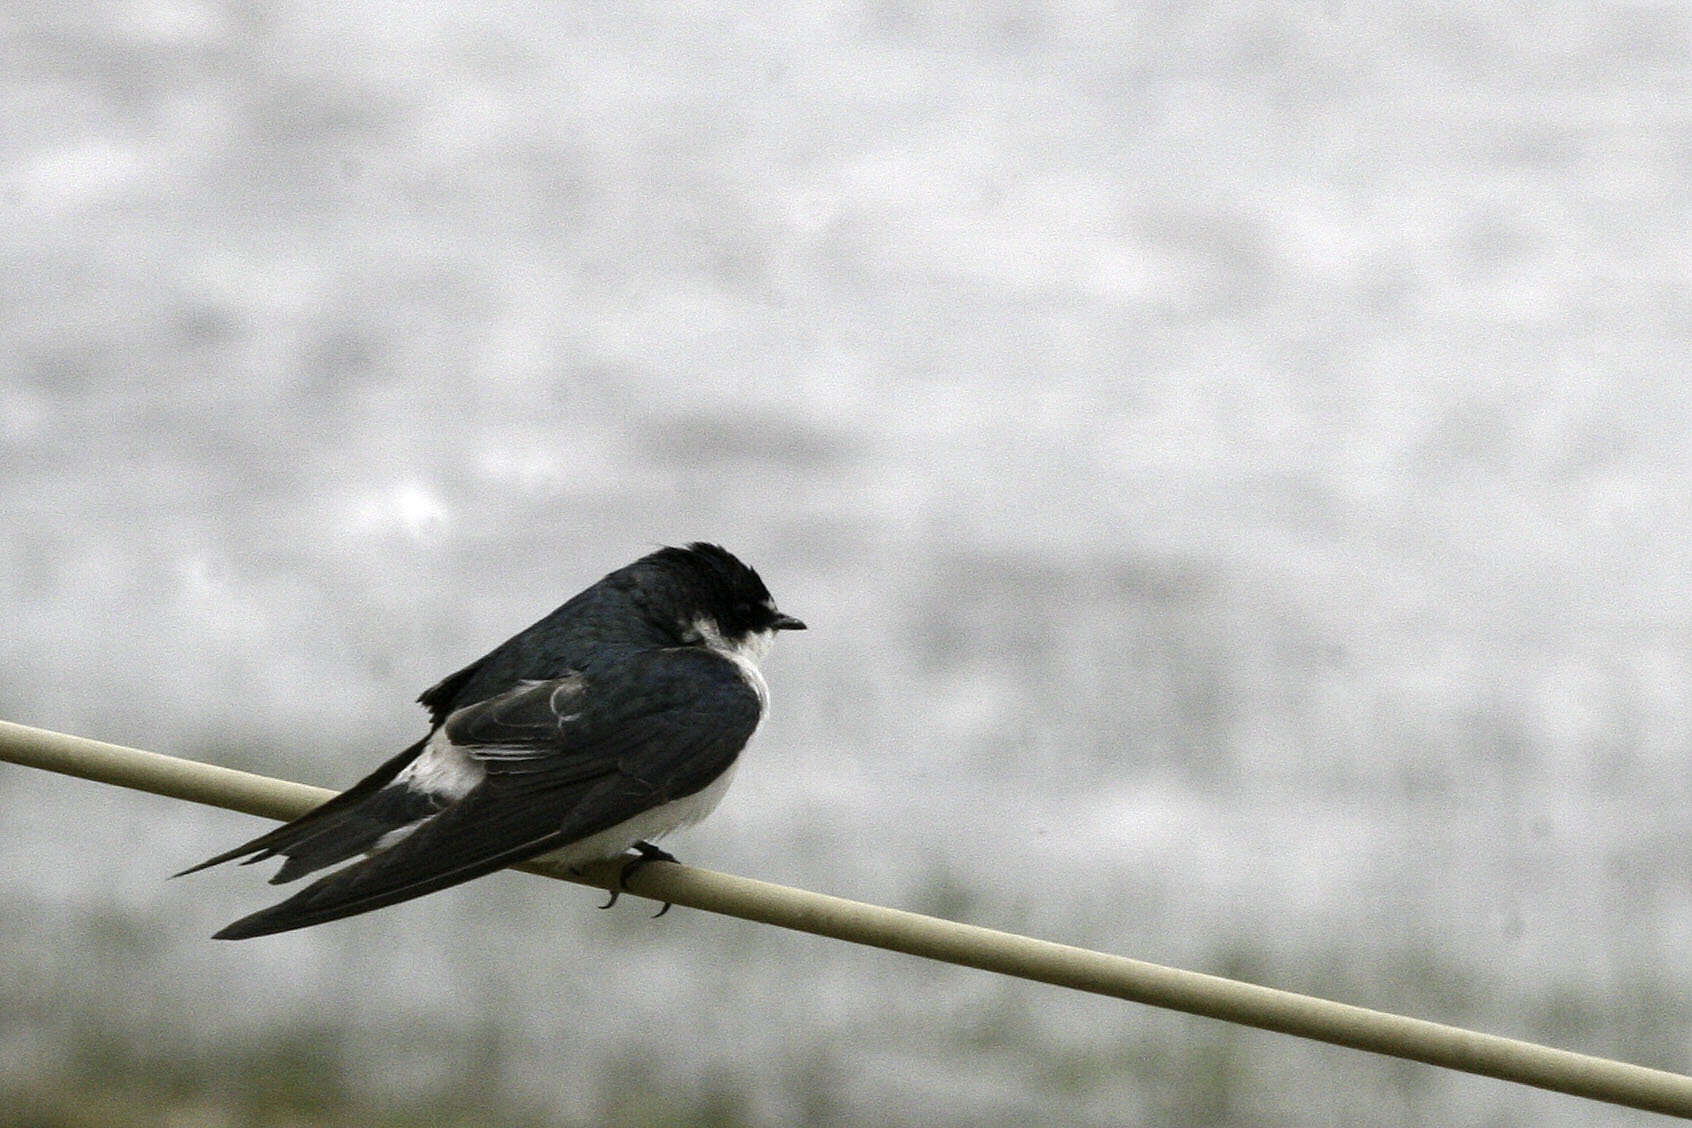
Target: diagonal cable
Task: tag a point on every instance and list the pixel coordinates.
(1305, 1016)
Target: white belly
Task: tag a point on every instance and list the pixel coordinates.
(646, 826)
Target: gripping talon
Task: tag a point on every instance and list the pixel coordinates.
(647, 853)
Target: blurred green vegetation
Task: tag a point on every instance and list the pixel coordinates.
(302, 1075)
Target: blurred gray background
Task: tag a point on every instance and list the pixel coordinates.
(1232, 458)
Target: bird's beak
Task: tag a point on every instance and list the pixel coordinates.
(786, 623)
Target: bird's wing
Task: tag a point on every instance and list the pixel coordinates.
(356, 819)
(393, 798)
(355, 814)
(564, 760)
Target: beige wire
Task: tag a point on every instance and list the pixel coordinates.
(1452, 1047)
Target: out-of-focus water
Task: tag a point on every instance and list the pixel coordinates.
(1232, 459)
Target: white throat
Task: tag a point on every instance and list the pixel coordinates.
(745, 653)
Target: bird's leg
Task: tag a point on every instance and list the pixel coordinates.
(648, 853)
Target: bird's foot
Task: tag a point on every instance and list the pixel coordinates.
(647, 853)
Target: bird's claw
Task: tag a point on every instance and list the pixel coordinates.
(647, 853)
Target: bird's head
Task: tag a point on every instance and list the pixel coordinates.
(720, 601)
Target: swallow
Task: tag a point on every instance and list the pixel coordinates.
(611, 722)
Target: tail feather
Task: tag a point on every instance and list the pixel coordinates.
(355, 830)
(326, 834)
(368, 885)
(483, 832)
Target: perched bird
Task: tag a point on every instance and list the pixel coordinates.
(613, 720)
